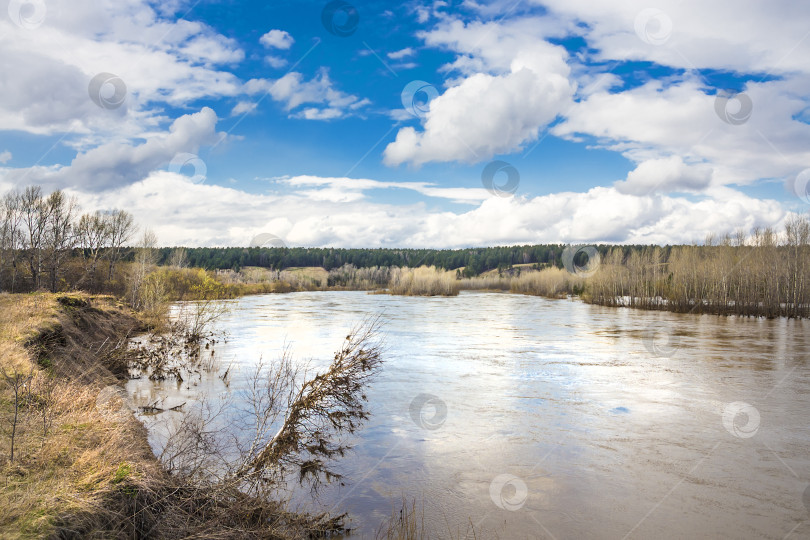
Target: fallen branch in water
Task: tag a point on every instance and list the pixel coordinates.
(154, 409)
(316, 413)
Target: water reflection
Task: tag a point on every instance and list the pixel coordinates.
(552, 418)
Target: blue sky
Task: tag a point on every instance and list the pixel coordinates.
(643, 122)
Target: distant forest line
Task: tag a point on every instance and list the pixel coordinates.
(474, 260)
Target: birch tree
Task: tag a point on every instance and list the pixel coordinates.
(59, 233)
(121, 229)
(93, 232)
(10, 235)
(35, 219)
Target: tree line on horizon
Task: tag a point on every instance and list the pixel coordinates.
(473, 261)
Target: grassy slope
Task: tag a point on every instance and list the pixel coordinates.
(83, 461)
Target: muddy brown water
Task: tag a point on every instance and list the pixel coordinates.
(522, 417)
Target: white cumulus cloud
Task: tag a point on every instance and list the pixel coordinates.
(293, 90)
(277, 39)
(335, 212)
(513, 84)
(114, 164)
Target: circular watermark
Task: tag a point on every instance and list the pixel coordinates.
(571, 260)
(340, 18)
(108, 91)
(416, 97)
(661, 342)
(653, 26)
(801, 185)
(184, 159)
(501, 190)
(741, 419)
(508, 492)
(733, 108)
(28, 14)
(424, 403)
(113, 403)
(267, 240)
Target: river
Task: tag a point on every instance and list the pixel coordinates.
(523, 417)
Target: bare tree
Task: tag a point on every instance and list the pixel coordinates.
(35, 218)
(764, 275)
(94, 232)
(178, 258)
(121, 229)
(4, 241)
(12, 231)
(145, 258)
(43, 402)
(6, 235)
(797, 238)
(59, 233)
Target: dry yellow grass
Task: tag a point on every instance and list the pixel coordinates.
(69, 458)
(423, 281)
(550, 282)
(21, 316)
(289, 279)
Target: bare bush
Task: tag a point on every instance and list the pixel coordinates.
(43, 398)
(197, 318)
(195, 448)
(293, 422)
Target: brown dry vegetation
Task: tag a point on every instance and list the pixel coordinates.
(423, 281)
(549, 282)
(765, 274)
(265, 280)
(69, 459)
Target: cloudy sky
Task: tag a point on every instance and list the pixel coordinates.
(413, 124)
